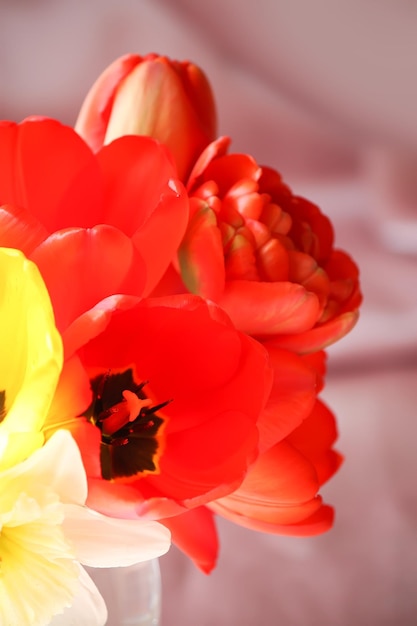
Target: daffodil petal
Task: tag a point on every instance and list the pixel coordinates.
(88, 607)
(31, 346)
(58, 464)
(126, 541)
(18, 445)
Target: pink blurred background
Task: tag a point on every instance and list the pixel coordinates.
(326, 93)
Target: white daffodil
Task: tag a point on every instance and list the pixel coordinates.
(47, 532)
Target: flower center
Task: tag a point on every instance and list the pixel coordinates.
(33, 547)
(129, 425)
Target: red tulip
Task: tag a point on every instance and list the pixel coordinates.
(219, 405)
(265, 255)
(169, 100)
(221, 401)
(168, 396)
(91, 222)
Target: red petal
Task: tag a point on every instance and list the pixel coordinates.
(48, 169)
(136, 173)
(269, 308)
(291, 400)
(319, 522)
(95, 111)
(280, 476)
(72, 396)
(81, 267)
(317, 362)
(20, 229)
(305, 271)
(201, 254)
(311, 230)
(11, 191)
(114, 499)
(218, 147)
(159, 238)
(314, 438)
(317, 433)
(195, 534)
(93, 322)
(317, 338)
(231, 168)
(205, 462)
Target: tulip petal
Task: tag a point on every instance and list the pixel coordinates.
(20, 229)
(194, 532)
(253, 511)
(281, 476)
(314, 438)
(229, 169)
(158, 239)
(317, 362)
(48, 169)
(269, 308)
(317, 338)
(94, 114)
(81, 267)
(201, 254)
(188, 472)
(320, 521)
(317, 433)
(135, 172)
(216, 148)
(158, 99)
(291, 400)
(279, 489)
(71, 398)
(93, 322)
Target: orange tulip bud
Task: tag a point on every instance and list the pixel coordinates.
(170, 101)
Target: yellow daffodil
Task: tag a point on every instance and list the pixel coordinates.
(46, 532)
(31, 357)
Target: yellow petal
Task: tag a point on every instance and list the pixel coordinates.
(32, 354)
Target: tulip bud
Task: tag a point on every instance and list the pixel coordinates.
(170, 101)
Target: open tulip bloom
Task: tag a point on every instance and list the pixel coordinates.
(194, 295)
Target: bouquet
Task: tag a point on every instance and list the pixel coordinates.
(166, 304)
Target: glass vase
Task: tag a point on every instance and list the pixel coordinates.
(132, 594)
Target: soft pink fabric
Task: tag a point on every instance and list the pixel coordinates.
(356, 165)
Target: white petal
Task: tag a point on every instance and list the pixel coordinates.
(101, 541)
(88, 607)
(68, 477)
(58, 464)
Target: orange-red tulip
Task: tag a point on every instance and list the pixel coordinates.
(152, 95)
(163, 397)
(266, 256)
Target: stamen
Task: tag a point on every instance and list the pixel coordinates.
(128, 423)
